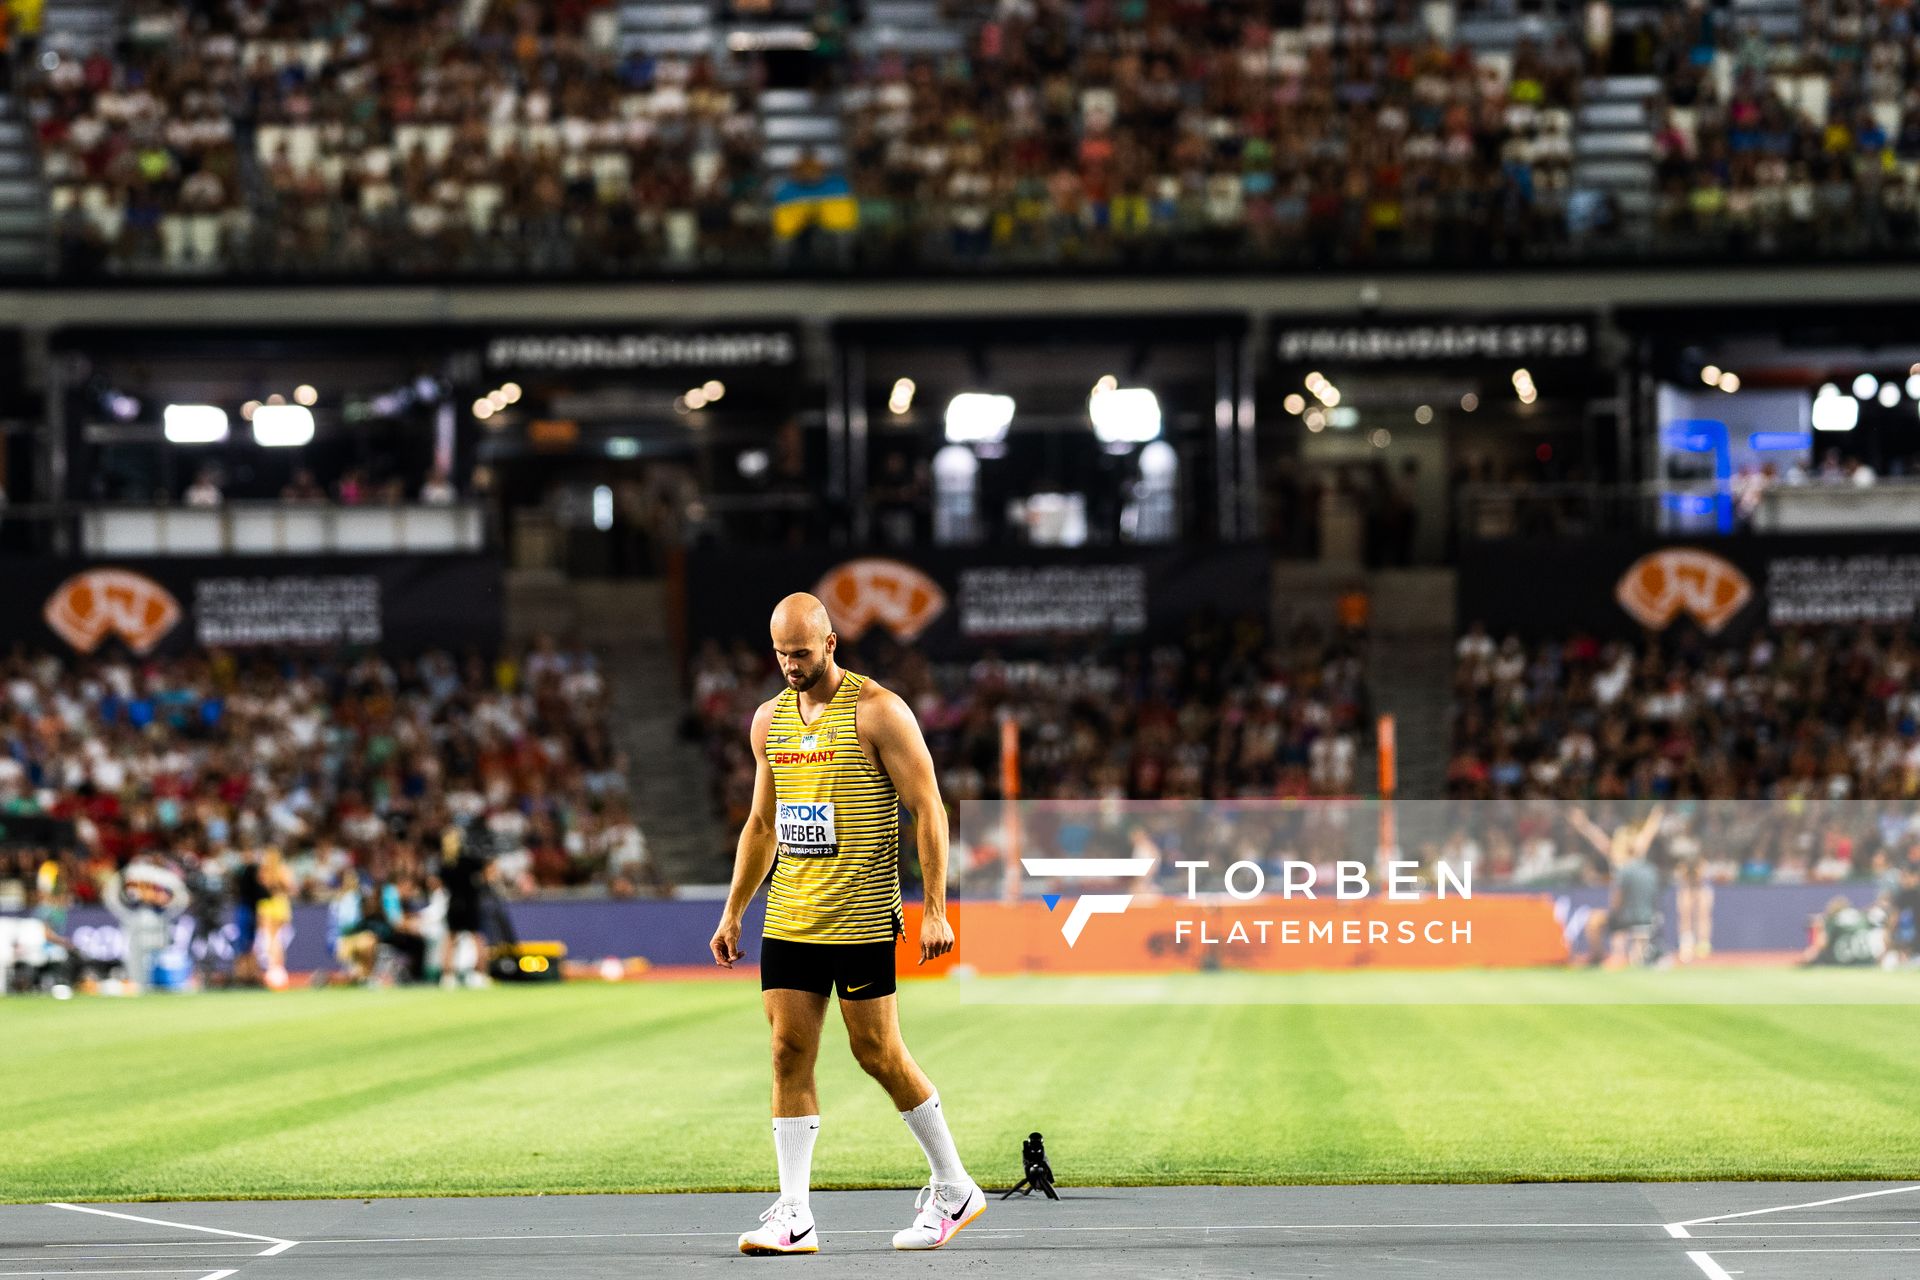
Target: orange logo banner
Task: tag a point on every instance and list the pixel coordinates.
(874, 589)
(88, 607)
(1658, 588)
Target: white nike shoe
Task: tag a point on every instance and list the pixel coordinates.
(943, 1208)
(786, 1228)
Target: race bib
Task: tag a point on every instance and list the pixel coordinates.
(806, 830)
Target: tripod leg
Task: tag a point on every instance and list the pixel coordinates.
(1021, 1187)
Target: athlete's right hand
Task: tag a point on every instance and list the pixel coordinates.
(726, 943)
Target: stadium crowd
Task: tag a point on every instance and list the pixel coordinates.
(406, 137)
(315, 779)
(1813, 720)
(1230, 711)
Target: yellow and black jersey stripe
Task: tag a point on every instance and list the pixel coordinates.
(836, 875)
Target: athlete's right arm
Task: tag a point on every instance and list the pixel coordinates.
(753, 858)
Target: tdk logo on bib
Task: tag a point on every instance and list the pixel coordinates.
(806, 829)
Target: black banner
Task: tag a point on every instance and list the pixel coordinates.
(1621, 586)
(954, 602)
(399, 604)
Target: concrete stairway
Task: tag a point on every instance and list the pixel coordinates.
(626, 622)
(1613, 144)
(669, 28)
(907, 26)
(24, 245)
(794, 120)
(1410, 671)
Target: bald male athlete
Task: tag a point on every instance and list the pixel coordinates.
(836, 756)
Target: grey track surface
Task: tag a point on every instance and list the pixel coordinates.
(1759, 1231)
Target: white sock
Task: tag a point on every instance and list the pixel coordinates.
(793, 1147)
(929, 1128)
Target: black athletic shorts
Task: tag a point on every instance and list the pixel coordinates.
(463, 916)
(859, 970)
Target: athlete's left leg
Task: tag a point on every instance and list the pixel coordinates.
(952, 1199)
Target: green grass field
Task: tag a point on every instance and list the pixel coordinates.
(663, 1086)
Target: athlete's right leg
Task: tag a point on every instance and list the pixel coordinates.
(795, 1018)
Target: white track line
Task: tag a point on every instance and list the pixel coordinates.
(887, 1231)
(64, 1258)
(163, 1271)
(1709, 1266)
(281, 1246)
(1785, 1208)
(1817, 1250)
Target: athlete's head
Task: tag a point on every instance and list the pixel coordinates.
(803, 640)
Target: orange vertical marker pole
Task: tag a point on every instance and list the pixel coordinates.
(1009, 797)
(1389, 760)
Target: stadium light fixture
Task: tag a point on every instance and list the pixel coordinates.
(1865, 386)
(900, 399)
(194, 423)
(1833, 411)
(602, 508)
(282, 426)
(306, 395)
(1889, 394)
(1124, 415)
(1295, 403)
(713, 389)
(978, 417)
(1729, 382)
(1711, 375)
(483, 408)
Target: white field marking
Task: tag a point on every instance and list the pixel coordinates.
(162, 1271)
(1678, 1232)
(1817, 1250)
(179, 1226)
(61, 1260)
(1810, 1204)
(1709, 1266)
(1815, 1235)
(887, 1231)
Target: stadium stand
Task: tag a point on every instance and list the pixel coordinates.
(1234, 711)
(343, 764)
(1828, 713)
(415, 139)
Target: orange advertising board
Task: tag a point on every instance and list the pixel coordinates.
(1158, 935)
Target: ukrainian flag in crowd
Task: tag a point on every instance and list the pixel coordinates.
(825, 202)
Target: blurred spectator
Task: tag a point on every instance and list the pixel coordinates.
(203, 492)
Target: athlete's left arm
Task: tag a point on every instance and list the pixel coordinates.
(902, 752)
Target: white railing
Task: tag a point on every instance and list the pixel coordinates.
(281, 528)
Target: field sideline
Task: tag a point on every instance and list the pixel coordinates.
(656, 1086)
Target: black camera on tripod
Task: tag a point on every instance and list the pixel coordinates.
(1037, 1174)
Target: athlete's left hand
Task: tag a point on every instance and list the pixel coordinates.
(936, 937)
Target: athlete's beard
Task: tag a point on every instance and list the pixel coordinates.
(807, 679)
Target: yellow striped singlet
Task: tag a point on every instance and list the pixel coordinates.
(836, 872)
